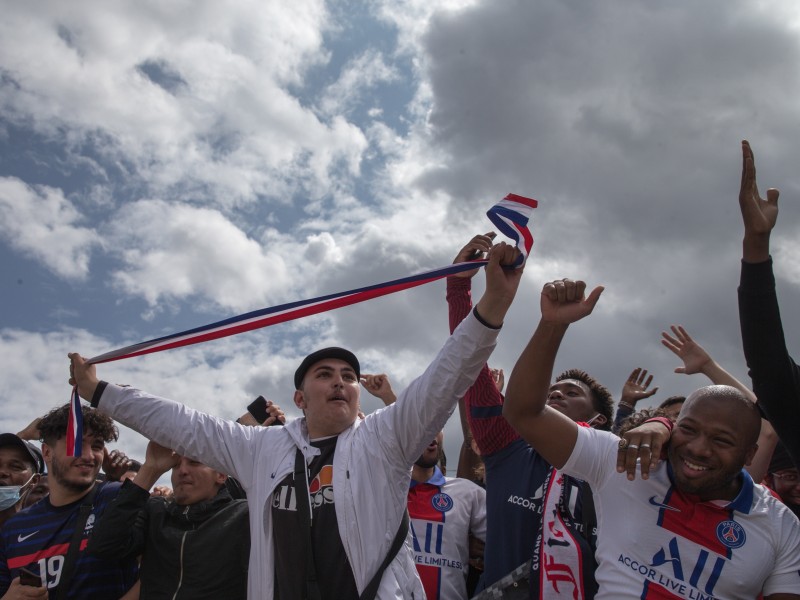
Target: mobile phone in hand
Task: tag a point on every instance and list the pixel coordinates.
(28, 577)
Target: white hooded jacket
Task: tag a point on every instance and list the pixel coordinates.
(371, 466)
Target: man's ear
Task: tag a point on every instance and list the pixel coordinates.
(299, 399)
(47, 454)
(751, 454)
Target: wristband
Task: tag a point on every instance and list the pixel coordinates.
(258, 408)
(663, 420)
(626, 404)
(98, 392)
(482, 321)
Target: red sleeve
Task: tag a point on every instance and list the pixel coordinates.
(484, 403)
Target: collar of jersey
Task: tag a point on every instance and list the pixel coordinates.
(436, 479)
(743, 501)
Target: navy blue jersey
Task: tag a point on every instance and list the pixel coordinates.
(38, 538)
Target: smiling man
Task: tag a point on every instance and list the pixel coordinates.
(697, 527)
(351, 475)
(38, 538)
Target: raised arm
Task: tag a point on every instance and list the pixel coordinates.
(697, 360)
(775, 376)
(481, 408)
(121, 533)
(551, 433)
(221, 444)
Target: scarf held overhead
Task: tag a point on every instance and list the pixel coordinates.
(511, 216)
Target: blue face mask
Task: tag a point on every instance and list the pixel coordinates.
(9, 494)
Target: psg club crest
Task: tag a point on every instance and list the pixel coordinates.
(442, 502)
(731, 534)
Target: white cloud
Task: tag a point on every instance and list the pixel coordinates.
(39, 222)
(176, 251)
(358, 76)
(228, 133)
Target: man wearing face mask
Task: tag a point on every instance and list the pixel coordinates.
(21, 464)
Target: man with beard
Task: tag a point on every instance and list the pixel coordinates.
(38, 538)
(695, 525)
(443, 511)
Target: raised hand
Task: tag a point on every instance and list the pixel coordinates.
(160, 459)
(379, 386)
(475, 248)
(693, 355)
(563, 301)
(759, 215)
(635, 388)
(115, 464)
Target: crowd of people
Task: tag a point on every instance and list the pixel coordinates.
(560, 492)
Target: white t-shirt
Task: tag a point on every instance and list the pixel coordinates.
(655, 542)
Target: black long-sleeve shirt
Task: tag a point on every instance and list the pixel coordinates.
(776, 377)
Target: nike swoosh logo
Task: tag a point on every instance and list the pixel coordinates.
(22, 538)
(655, 502)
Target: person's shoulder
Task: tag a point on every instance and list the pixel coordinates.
(765, 501)
(107, 490)
(459, 484)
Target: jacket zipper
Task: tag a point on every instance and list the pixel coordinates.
(180, 575)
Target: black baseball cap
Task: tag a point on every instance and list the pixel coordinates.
(10, 439)
(315, 357)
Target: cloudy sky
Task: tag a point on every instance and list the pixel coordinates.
(166, 165)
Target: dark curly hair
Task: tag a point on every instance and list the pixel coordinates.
(53, 425)
(638, 418)
(671, 401)
(602, 400)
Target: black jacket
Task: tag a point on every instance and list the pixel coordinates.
(197, 551)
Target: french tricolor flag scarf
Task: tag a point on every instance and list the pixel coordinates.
(510, 216)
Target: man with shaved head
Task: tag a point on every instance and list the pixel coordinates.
(694, 526)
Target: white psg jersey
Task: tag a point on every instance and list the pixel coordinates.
(656, 542)
(444, 511)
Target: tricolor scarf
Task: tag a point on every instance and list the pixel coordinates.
(510, 216)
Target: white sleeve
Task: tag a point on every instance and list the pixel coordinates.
(594, 458)
(406, 427)
(222, 445)
(477, 524)
(785, 576)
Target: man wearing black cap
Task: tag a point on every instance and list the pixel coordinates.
(366, 462)
(20, 466)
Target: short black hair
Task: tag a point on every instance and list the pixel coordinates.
(332, 352)
(53, 425)
(602, 400)
(638, 418)
(671, 401)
